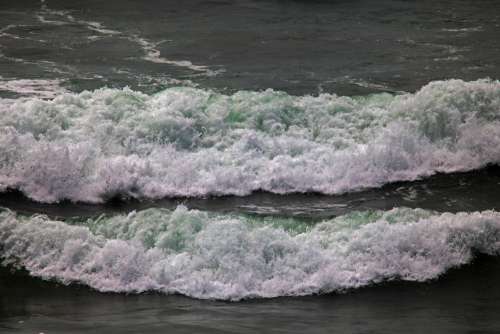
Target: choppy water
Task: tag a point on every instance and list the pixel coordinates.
(297, 46)
(246, 150)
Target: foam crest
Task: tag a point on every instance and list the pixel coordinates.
(192, 142)
(211, 256)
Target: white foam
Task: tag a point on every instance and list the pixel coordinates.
(152, 54)
(44, 20)
(365, 84)
(450, 58)
(464, 30)
(229, 257)
(194, 142)
(41, 88)
(4, 33)
(66, 18)
(8, 27)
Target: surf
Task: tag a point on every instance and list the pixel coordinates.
(233, 257)
(191, 142)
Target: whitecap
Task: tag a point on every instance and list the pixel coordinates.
(187, 141)
(229, 257)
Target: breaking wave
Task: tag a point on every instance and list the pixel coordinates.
(193, 142)
(232, 257)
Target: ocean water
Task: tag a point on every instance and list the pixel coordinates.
(249, 166)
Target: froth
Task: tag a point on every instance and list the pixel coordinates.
(193, 142)
(233, 257)
(45, 89)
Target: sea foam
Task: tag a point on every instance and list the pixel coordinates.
(193, 142)
(232, 257)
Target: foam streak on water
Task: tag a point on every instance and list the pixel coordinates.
(193, 142)
(151, 53)
(44, 89)
(233, 257)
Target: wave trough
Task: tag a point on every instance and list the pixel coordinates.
(192, 142)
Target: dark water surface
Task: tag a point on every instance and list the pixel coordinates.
(470, 191)
(465, 300)
(348, 47)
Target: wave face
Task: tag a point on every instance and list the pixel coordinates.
(212, 256)
(192, 142)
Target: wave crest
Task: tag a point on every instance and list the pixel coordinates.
(193, 142)
(212, 256)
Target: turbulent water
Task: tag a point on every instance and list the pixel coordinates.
(183, 141)
(233, 257)
(233, 150)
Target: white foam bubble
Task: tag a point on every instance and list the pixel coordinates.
(464, 30)
(44, 20)
(193, 142)
(230, 257)
(152, 54)
(41, 88)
